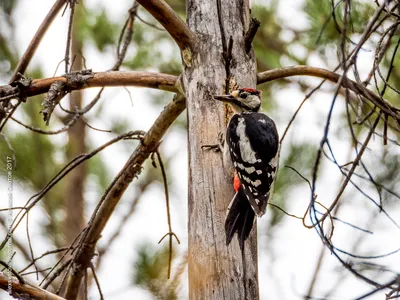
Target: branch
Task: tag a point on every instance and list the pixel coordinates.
(170, 20)
(115, 191)
(159, 81)
(26, 291)
(251, 33)
(25, 60)
(333, 77)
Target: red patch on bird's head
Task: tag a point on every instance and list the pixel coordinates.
(236, 182)
(251, 91)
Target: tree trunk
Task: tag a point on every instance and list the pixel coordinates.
(74, 201)
(75, 181)
(215, 270)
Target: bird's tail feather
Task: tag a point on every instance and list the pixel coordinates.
(240, 218)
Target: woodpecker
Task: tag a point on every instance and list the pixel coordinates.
(250, 149)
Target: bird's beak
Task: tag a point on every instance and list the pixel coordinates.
(224, 98)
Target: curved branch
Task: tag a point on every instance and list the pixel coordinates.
(26, 291)
(280, 73)
(170, 20)
(159, 81)
(117, 188)
(25, 60)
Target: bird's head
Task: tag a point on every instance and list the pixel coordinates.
(245, 99)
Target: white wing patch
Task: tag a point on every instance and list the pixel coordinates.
(247, 153)
(274, 161)
(256, 183)
(250, 170)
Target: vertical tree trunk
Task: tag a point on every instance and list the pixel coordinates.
(215, 270)
(74, 200)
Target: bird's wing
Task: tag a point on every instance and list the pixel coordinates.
(253, 142)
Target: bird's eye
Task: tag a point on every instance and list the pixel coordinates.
(244, 95)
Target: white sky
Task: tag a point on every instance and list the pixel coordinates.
(287, 259)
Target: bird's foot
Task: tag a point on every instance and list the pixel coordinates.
(216, 147)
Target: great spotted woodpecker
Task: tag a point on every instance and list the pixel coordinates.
(250, 149)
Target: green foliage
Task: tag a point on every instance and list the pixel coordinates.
(7, 6)
(99, 169)
(151, 270)
(8, 60)
(326, 27)
(154, 49)
(268, 45)
(97, 27)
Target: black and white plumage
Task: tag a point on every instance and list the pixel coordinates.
(251, 146)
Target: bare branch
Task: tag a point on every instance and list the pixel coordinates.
(97, 281)
(115, 191)
(170, 232)
(159, 81)
(23, 63)
(127, 31)
(69, 36)
(170, 20)
(25, 291)
(333, 77)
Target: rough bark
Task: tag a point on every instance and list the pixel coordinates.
(215, 270)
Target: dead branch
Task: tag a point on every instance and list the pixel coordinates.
(115, 191)
(159, 81)
(69, 35)
(170, 20)
(170, 233)
(25, 291)
(25, 60)
(127, 31)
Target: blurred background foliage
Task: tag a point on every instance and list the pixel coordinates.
(276, 44)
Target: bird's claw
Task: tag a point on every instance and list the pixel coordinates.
(216, 147)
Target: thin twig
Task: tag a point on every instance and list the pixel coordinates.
(97, 281)
(57, 273)
(69, 34)
(170, 232)
(9, 268)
